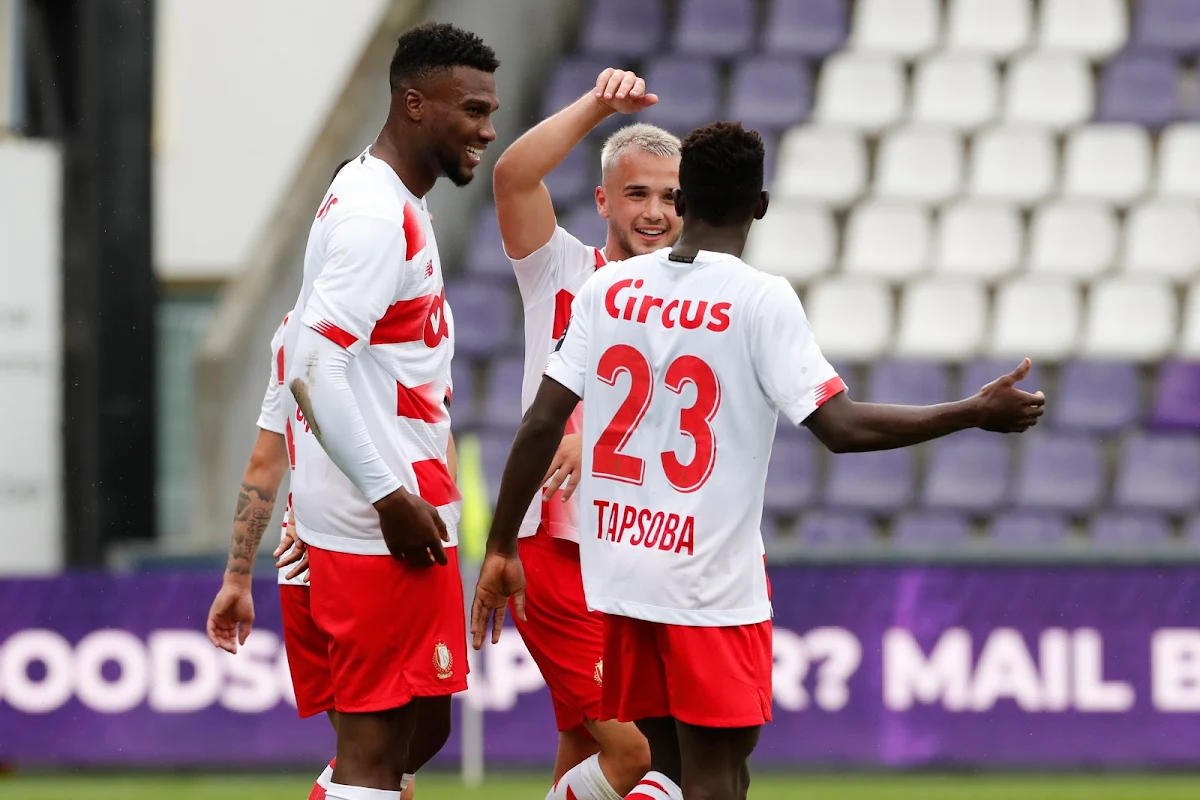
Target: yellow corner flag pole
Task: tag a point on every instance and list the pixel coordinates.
(472, 537)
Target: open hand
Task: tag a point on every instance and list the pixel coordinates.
(1006, 409)
(231, 617)
(623, 91)
(500, 578)
(564, 470)
(292, 551)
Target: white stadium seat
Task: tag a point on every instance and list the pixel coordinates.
(898, 27)
(1093, 28)
(941, 319)
(796, 240)
(1189, 339)
(1017, 164)
(1073, 238)
(956, 89)
(978, 239)
(996, 27)
(1036, 317)
(861, 90)
(852, 319)
(887, 240)
(1179, 162)
(1053, 90)
(1107, 162)
(923, 164)
(821, 163)
(1134, 319)
(1162, 238)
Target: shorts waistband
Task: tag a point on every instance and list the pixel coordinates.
(543, 539)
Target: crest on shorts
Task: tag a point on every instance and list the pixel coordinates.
(443, 661)
(598, 672)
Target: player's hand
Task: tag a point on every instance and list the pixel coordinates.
(623, 91)
(412, 529)
(1004, 408)
(231, 617)
(292, 551)
(500, 578)
(564, 470)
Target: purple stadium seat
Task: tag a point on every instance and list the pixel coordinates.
(575, 178)
(1158, 473)
(687, 89)
(623, 27)
(1177, 397)
(835, 530)
(1142, 88)
(585, 224)
(1171, 26)
(1120, 530)
(812, 28)
(494, 447)
(978, 374)
(791, 474)
(483, 316)
(911, 383)
(485, 254)
(464, 405)
(572, 77)
(931, 528)
(968, 472)
(1022, 529)
(720, 28)
(502, 405)
(1097, 396)
(770, 93)
(1060, 472)
(881, 481)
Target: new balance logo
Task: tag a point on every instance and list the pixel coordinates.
(429, 270)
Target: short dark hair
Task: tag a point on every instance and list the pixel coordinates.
(434, 46)
(721, 172)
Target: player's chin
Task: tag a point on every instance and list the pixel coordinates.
(461, 174)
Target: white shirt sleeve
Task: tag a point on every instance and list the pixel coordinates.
(791, 369)
(568, 362)
(271, 416)
(559, 262)
(365, 262)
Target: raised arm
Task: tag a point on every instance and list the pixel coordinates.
(523, 204)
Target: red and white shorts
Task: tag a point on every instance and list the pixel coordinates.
(394, 631)
(307, 652)
(710, 677)
(565, 640)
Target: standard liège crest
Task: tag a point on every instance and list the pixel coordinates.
(598, 672)
(443, 661)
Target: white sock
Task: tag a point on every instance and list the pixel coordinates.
(321, 787)
(406, 780)
(340, 791)
(656, 786)
(584, 781)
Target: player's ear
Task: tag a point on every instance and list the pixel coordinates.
(601, 202)
(760, 208)
(414, 104)
(680, 205)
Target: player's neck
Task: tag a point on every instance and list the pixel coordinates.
(698, 235)
(400, 153)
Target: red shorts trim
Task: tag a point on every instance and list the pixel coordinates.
(395, 632)
(565, 640)
(711, 677)
(307, 652)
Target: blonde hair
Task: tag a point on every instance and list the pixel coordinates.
(641, 136)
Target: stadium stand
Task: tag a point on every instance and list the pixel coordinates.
(956, 184)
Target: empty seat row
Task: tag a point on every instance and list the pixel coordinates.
(979, 238)
(1115, 163)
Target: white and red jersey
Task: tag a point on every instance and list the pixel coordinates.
(549, 278)
(373, 285)
(682, 369)
(273, 417)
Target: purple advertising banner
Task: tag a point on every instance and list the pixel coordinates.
(895, 666)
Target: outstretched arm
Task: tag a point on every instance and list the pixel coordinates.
(523, 204)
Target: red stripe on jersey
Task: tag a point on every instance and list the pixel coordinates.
(434, 483)
(562, 313)
(414, 232)
(334, 334)
(404, 321)
(828, 389)
(291, 444)
(279, 366)
(600, 260)
(423, 403)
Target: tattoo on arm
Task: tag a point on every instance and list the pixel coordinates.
(254, 508)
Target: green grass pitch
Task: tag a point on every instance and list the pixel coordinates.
(502, 787)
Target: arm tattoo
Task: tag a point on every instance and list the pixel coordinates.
(254, 508)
